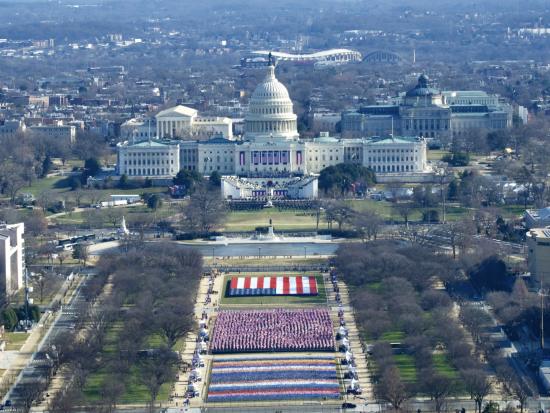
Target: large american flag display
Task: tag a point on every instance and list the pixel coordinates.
(291, 285)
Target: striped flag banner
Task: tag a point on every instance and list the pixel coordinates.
(282, 285)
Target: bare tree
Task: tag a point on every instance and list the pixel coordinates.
(339, 212)
(205, 210)
(392, 389)
(158, 369)
(173, 320)
(367, 224)
(404, 209)
(114, 215)
(477, 385)
(438, 387)
(111, 391)
(30, 392)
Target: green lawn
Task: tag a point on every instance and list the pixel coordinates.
(407, 368)
(60, 185)
(393, 336)
(442, 366)
(282, 220)
(320, 298)
(437, 154)
(135, 391)
(14, 341)
(80, 217)
(386, 211)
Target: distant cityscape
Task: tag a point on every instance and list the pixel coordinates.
(257, 206)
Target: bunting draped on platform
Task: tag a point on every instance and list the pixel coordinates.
(299, 285)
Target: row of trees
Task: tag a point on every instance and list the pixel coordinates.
(392, 292)
(152, 295)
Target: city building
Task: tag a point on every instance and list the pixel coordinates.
(272, 159)
(184, 123)
(537, 218)
(11, 257)
(10, 128)
(138, 129)
(148, 159)
(430, 113)
(538, 253)
(65, 133)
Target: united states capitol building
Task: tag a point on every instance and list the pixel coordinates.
(271, 159)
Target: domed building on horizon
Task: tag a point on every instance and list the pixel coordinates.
(270, 111)
(271, 160)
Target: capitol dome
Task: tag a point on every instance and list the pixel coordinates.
(270, 113)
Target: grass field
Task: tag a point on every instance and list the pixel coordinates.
(14, 341)
(281, 301)
(282, 220)
(442, 365)
(386, 211)
(407, 368)
(135, 391)
(60, 185)
(437, 154)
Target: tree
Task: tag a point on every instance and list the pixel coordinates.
(474, 319)
(123, 181)
(157, 369)
(491, 274)
(80, 252)
(47, 166)
(41, 281)
(437, 386)
(477, 385)
(346, 177)
(93, 166)
(154, 201)
(458, 233)
(36, 223)
(29, 392)
(114, 216)
(392, 389)
(424, 196)
(9, 318)
(367, 224)
(173, 320)
(62, 256)
(204, 211)
(215, 179)
(338, 211)
(189, 180)
(404, 209)
(111, 391)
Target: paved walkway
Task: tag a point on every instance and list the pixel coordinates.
(353, 334)
(206, 304)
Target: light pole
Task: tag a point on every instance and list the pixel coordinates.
(305, 252)
(441, 173)
(542, 310)
(259, 252)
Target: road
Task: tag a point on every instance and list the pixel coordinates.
(38, 366)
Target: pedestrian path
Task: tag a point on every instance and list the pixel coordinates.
(342, 314)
